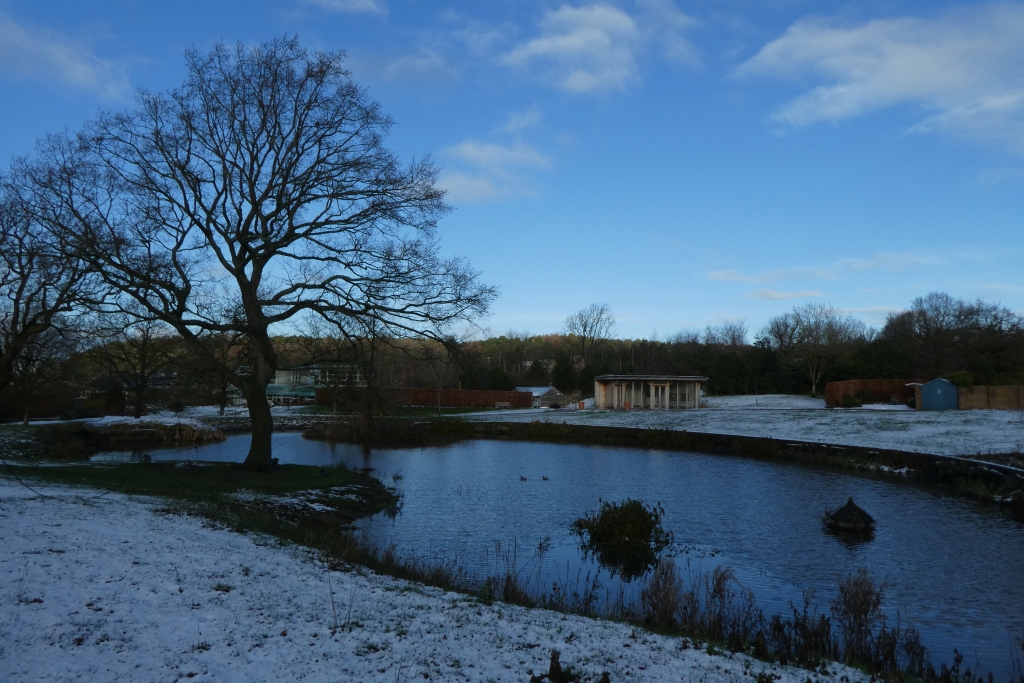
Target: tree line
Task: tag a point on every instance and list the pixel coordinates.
(127, 364)
(938, 335)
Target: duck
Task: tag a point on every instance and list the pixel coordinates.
(545, 479)
(522, 478)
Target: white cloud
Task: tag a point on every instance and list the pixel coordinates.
(487, 171)
(496, 158)
(906, 260)
(962, 68)
(520, 120)
(353, 6)
(773, 295)
(471, 189)
(665, 23)
(595, 48)
(835, 270)
(424, 63)
(874, 314)
(30, 54)
(587, 49)
(778, 275)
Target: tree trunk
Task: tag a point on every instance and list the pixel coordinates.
(258, 459)
(139, 404)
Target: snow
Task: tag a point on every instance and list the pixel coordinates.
(118, 589)
(191, 416)
(800, 418)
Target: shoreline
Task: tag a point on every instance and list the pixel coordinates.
(231, 606)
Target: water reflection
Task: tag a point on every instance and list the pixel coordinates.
(953, 567)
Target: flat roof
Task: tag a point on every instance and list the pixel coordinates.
(650, 378)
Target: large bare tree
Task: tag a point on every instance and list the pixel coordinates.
(588, 327)
(813, 338)
(260, 190)
(41, 283)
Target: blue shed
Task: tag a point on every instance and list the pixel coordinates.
(939, 394)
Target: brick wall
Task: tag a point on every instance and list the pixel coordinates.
(991, 398)
(463, 398)
(450, 398)
(872, 391)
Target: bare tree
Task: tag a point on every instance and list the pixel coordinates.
(212, 369)
(519, 340)
(40, 282)
(588, 327)
(136, 350)
(262, 186)
(728, 333)
(38, 363)
(813, 338)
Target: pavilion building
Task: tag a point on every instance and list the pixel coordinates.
(659, 392)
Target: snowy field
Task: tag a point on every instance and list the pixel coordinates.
(116, 590)
(800, 418)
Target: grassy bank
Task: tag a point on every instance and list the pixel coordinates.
(335, 495)
(80, 440)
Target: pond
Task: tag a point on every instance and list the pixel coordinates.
(953, 568)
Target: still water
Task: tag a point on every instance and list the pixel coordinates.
(953, 568)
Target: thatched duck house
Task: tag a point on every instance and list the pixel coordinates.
(850, 517)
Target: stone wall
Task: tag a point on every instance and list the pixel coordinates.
(868, 391)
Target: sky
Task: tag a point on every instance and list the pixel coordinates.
(685, 162)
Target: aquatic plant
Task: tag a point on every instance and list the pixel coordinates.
(626, 537)
(858, 611)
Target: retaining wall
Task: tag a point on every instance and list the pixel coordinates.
(949, 469)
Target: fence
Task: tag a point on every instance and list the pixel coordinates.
(446, 398)
(868, 391)
(991, 398)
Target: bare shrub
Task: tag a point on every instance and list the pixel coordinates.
(662, 598)
(858, 610)
(805, 639)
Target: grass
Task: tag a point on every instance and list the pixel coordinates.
(211, 482)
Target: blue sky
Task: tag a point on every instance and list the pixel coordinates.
(685, 162)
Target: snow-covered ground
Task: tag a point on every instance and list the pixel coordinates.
(116, 590)
(192, 415)
(800, 418)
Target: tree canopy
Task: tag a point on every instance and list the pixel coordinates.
(259, 190)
